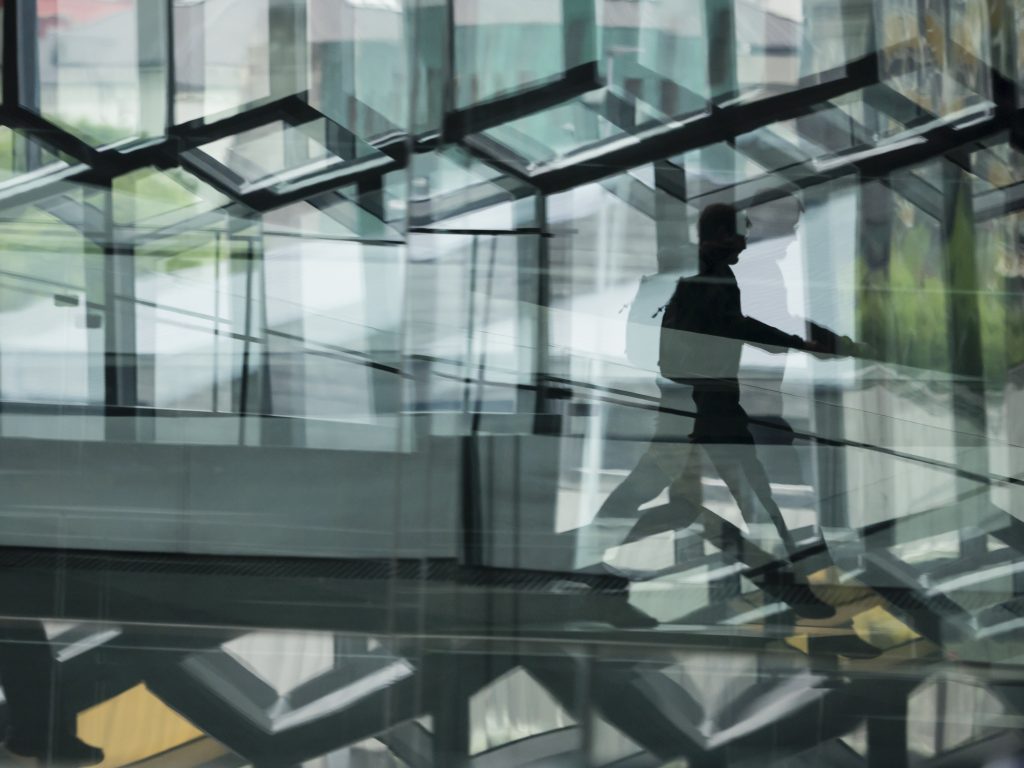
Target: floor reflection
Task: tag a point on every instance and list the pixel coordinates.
(200, 697)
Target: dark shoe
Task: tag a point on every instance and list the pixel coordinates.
(797, 594)
(813, 609)
(850, 646)
(805, 603)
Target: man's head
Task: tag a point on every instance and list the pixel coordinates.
(718, 232)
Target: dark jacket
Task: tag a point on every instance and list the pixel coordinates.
(704, 329)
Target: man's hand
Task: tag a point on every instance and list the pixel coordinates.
(844, 347)
(850, 348)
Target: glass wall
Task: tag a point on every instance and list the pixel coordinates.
(472, 383)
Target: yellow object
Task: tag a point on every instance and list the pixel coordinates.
(800, 642)
(881, 629)
(133, 726)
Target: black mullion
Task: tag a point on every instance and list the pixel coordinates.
(170, 95)
(43, 131)
(11, 83)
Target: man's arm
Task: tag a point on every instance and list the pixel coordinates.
(762, 334)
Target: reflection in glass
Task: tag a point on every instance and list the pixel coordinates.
(579, 382)
(231, 53)
(501, 48)
(278, 153)
(101, 68)
(49, 325)
(357, 52)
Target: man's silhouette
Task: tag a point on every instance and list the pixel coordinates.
(704, 330)
(703, 333)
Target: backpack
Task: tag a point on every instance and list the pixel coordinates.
(688, 348)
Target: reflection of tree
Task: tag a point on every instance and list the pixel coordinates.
(903, 308)
(1001, 266)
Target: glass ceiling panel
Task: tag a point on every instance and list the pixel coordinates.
(862, 106)
(565, 133)
(451, 182)
(447, 171)
(842, 126)
(22, 159)
(790, 148)
(330, 217)
(554, 134)
(997, 167)
(150, 200)
(279, 154)
(715, 167)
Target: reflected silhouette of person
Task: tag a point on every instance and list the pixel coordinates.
(39, 723)
(703, 333)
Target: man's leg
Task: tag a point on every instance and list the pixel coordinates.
(663, 463)
(642, 484)
(683, 463)
(744, 475)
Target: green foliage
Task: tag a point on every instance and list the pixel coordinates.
(904, 310)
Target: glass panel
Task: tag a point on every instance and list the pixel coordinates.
(332, 326)
(513, 707)
(358, 51)
(102, 68)
(233, 53)
(452, 182)
(655, 52)
(280, 154)
(467, 339)
(22, 159)
(51, 307)
(867, 108)
(188, 327)
(151, 200)
(501, 48)
(555, 134)
(714, 167)
(935, 53)
(997, 166)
